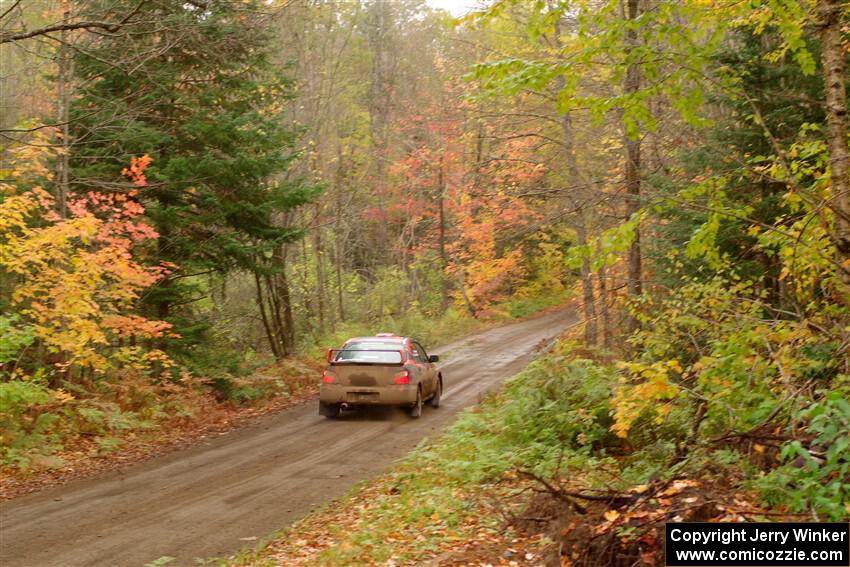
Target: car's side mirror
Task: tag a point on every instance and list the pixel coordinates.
(433, 358)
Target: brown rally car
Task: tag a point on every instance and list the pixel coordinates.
(382, 370)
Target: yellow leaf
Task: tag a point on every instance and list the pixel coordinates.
(611, 515)
(62, 397)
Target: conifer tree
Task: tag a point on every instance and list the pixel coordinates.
(193, 88)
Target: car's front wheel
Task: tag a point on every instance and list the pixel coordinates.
(416, 410)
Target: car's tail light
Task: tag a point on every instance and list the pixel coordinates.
(328, 378)
(402, 377)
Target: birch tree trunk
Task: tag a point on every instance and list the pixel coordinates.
(832, 60)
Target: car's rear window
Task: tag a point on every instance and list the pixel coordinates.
(372, 352)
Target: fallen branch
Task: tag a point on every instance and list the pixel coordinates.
(555, 491)
(615, 500)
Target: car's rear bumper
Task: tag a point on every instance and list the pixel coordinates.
(356, 395)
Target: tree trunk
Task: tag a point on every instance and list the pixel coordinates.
(163, 295)
(832, 59)
(62, 80)
(578, 189)
(278, 326)
(320, 270)
(589, 303)
(444, 261)
(466, 301)
(605, 312)
(339, 283)
(577, 196)
(302, 284)
(632, 174)
(285, 299)
(261, 306)
(338, 240)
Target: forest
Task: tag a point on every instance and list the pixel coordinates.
(198, 197)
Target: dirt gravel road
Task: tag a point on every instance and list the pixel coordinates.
(226, 493)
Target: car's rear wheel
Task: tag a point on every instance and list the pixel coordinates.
(416, 410)
(330, 411)
(434, 402)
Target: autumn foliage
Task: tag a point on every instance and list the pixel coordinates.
(469, 214)
(77, 279)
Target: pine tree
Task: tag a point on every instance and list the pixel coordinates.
(196, 91)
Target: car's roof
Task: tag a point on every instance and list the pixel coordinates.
(380, 338)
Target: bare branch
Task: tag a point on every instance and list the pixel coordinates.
(9, 11)
(112, 27)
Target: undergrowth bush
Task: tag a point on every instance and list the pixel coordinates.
(815, 477)
(525, 306)
(554, 413)
(25, 428)
(36, 420)
(716, 366)
(557, 418)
